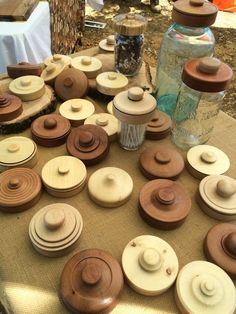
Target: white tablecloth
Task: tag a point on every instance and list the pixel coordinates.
(26, 41)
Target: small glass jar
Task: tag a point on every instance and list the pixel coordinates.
(199, 100)
(129, 41)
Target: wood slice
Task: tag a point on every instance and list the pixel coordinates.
(18, 10)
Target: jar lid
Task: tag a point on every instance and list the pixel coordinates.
(203, 160)
(55, 228)
(23, 68)
(108, 44)
(52, 70)
(207, 75)
(88, 143)
(20, 189)
(164, 204)
(220, 247)
(91, 66)
(203, 287)
(10, 107)
(71, 83)
(57, 58)
(77, 109)
(111, 83)
(129, 24)
(91, 282)
(150, 265)
(115, 186)
(194, 13)
(161, 162)
(159, 127)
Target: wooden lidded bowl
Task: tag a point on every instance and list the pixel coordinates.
(91, 66)
(10, 107)
(56, 58)
(111, 83)
(51, 71)
(159, 127)
(22, 69)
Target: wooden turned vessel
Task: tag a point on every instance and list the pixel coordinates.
(10, 107)
(204, 160)
(150, 265)
(108, 122)
(220, 247)
(110, 107)
(91, 282)
(115, 187)
(77, 110)
(64, 176)
(91, 66)
(203, 287)
(164, 204)
(17, 151)
(57, 58)
(111, 83)
(159, 127)
(28, 87)
(217, 197)
(50, 130)
(51, 71)
(23, 68)
(161, 162)
(89, 143)
(55, 229)
(20, 189)
(108, 44)
(71, 83)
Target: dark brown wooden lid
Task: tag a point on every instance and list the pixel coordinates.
(161, 162)
(91, 282)
(220, 247)
(89, 143)
(71, 83)
(164, 204)
(129, 24)
(23, 68)
(20, 189)
(194, 13)
(10, 107)
(207, 74)
(159, 127)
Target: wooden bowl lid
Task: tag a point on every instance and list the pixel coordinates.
(108, 122)
(57, 58)
(115, 186)
(164, 204)
(159, 127)
(63, 173)
(111, 83)
(110, 107)
(71, 83)
(129, 24)
(20, 189)
(161, 162)
(77, 109)
(91, 66)
(207, 160)
(26, 85)
(91, 282)
(108, 44)
(22, 69)
(16, 149)
(203, 287)
(88, 143)
(150, 265)
(10, 107)
(52, 70)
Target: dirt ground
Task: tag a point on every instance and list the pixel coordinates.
(157, 26)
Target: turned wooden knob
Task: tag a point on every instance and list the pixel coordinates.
(208, 157)
(229, 243)
(51, 68)
(110, 40)
(50, 123)
(91, 274)
(63, 169)
(75, 107)
(86, 138)
(209, 65)
(101, 121)
(54, 218)
(4, 101)
(226, 188)
(197, 3)
(110, 178)
(112, 76)
(68, 82)
(207, 287)
(162, 157)
(135, 93)
(57, 57)
(14, 183)
(13, 148)
(150, 259)
(86, 60)
(25, 81)
(165, 196)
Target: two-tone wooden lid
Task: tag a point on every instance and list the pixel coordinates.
(164, 204)
(159, 127)
(129, 24)
(10, 107)
(91, 66)
(91, 282)
(111, 83)
(51, 71)
(50, 130)
(55, 228)
(20, 189)
(161, 162)
(56, 58)
(150, 265)
(108, 44)
(23, 68)
(89, 143)
(203, 287)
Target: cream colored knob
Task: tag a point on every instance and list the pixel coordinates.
(12, 148)
(112, 76)
(150, 259)
(110, 40)
(54, 218)
(57, 57)
(25, 81)
(208, 157)
(209, 65)
(76, 107)
(51, 68)
(110, 179)
(101, 121)
(226, 188)
(63, 169)
(135, 93)
(197, 3)
(86, 60)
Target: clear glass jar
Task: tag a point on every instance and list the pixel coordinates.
(131, 136)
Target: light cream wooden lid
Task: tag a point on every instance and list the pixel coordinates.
(16, 149)
(150, 265)
(52, 70)
(108, 43)
(76, 109)
(208, 160)
(27, 84)
(58, 58)
(203, 287)
(110, 186)
(89, 65)
(108, 122)
(111, 81)
(64, 172)
(110, 107)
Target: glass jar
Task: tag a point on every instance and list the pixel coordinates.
(189, 37)
(199, 100)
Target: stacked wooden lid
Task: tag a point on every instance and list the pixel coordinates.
(22, 69)
(108, 44)
(55, 228)
(50, 130)
(64, 176)
(111, 83)
(150, 265)
(56, 58)
(203, 287)
(10, 107)
(91, 66)
(17, 151)
(51, 71)
(20, 189)
(91, 282)
(159, 127)
(217, 197)
(164, 204)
